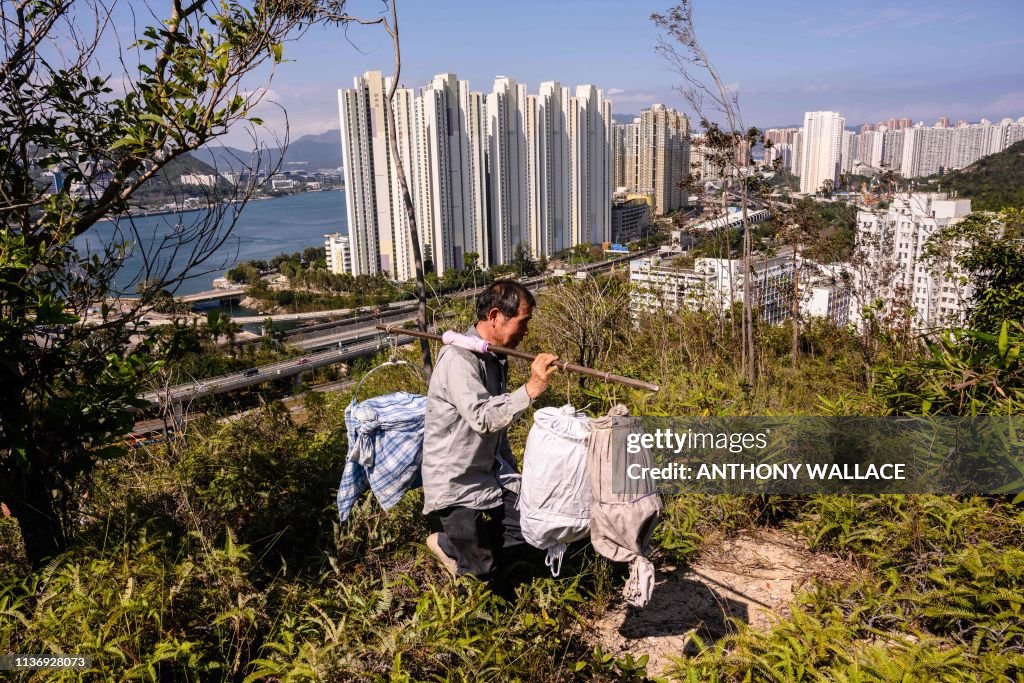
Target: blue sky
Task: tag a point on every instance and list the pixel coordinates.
(867, 60)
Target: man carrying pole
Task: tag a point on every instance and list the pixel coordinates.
(469, 475)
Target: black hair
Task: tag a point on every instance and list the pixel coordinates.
(506, 296)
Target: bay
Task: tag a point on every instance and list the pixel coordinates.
(264, 229)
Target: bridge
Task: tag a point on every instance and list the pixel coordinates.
(345, 332)
(293, 317)
(212, 295)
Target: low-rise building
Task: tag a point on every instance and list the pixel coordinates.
(713, 284)
(827, 297)
(733, 219)
(198, 179)
(339, 255)
(895, 270)
(629, 219)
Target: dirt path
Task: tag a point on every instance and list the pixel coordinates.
(752, 577)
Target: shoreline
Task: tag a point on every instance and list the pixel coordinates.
(164, 212)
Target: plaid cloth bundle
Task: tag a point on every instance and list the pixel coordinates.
(385, 447)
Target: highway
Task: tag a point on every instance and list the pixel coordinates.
(359, 337)
(268, 373)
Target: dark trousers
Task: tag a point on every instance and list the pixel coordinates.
(476, 538)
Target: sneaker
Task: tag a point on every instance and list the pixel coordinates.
(449, 563)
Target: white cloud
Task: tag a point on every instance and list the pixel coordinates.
(621, 98)
(889, 19)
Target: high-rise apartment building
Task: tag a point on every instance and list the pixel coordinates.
(781, 136)
(798, 148)
(550, 170)
(821, 149)
(490, 174)
(591, 154)
(664, 157)
(619, 155)
(508, 164)
(892, 150)
(625, 154)
(920, 150)
(866, 142)
(781, 147)
(849, 151)
(701, 164)
(377, 223)
(452, 175)
(653, 157)
(924, 151)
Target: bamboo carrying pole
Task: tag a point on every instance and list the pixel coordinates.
(572, 367)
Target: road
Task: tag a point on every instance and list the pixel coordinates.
(294, 404)
(184, 393)
(360, 338)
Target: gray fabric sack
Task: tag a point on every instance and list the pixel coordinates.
(621, 524)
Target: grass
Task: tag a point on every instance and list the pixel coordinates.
(218, 557)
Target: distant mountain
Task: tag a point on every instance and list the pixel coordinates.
(624, 118)
(992, 183)
(314, 152)
(308, 153)
(226, 158)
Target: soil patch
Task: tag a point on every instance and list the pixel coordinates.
(752, 578)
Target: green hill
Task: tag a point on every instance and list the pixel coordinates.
(166, 187)
(992, 183)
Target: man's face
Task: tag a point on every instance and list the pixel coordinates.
(510, 331)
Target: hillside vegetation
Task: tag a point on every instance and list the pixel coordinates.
(218, 556)
(166, 187)
(992, 183)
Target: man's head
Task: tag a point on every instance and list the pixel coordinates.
(503, 313)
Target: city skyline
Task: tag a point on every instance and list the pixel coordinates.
(912, 150)
(495, 174)
(898, 61)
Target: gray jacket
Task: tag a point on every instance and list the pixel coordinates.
(465, 441)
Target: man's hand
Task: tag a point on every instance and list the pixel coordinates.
(540, 374)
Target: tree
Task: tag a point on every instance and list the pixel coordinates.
(988, 252)
(799, 228)
(726, 146)
(521, 261)
(313, 254)
(219, 324)
(68, 388)
(334, 12)
(585, 320)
